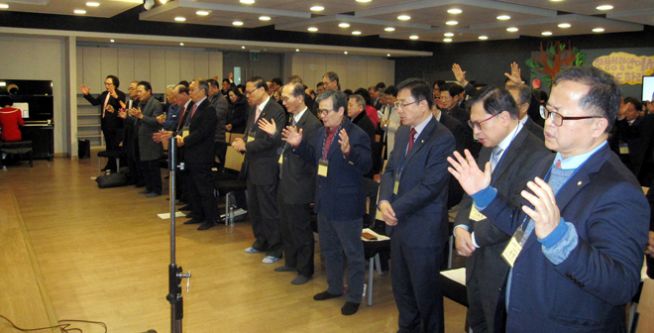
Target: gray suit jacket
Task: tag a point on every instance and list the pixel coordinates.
(219, 102)
(297, 183)
(148, 149)
(485, 269)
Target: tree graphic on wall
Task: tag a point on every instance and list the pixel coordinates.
(552, 59)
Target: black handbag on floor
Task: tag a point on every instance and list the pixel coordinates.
(112, 180)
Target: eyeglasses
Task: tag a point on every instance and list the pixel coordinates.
(323, 112)
(557, 118)
(477, 124)
(399, 104)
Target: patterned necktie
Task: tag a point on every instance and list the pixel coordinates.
(495, 156)
(412, 139)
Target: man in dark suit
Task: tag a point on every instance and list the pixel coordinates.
(110, 123)
(262, 169)
(130, 135)
(513, 152)
(197, 140)
(149, 151)
(578, 236)
(632, 140)
(219, 103)
(341, 153)
(297, 182)
(523, 98)
(413, 198)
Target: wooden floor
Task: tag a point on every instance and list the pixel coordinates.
(102, 255)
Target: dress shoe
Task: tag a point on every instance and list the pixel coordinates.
(270, 259)
(206, 225)
(325, 295)
(300, 279)
(251, 250)
(185, 207)
(285, 269)
(193, 221)
(350, 308)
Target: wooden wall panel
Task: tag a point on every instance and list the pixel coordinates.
(109, 62)
(126, 65)
(157, 71)
(172, 59)
(200, 65)
(141, 65)
(216, 65)
(186, 65)
(92, 73)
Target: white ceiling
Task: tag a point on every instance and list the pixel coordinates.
(428, 17)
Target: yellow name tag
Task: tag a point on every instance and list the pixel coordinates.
(322, 168)
(250, 138)
(624, 149)
(185, 133)
(396, 186)
(280, 161)
(475, 214)
(511, 252)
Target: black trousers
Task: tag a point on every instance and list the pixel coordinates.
(262, 208)
(112, 140)
(151, 176)
(204, 205)
(297, 236)
(220, 150)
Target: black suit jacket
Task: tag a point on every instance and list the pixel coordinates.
(485, 269)
(463, 140)
(638, 137)
(261, 149)
(297, 183)
(111, 121)
(198, 145)
(367, 126)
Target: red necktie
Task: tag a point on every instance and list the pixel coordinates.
(181, 118)
(195, 107)
(412, 138)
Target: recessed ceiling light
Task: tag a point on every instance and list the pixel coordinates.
(604, 7)
(181, 44)
(202, 13)
(246, 2)
(483, 37)
(344, 25)
(564, 25)
(312, 29)
(556, 0)
(598, 29)
(237, 23)
(242, 47)
(447, 40)
(389, 29)
(388, 54)
(448, 34)
(92, 4)
(297, 50)
(356, 32)
(512, 29)
(414, 37)
(79, 11)
(264, 18)
(455, 11)
(452, 22)
(363, 1)
(546, 33)
(112, 40)
(345, 52)
(180, 19)
(317, 8)
(4, 6)
(404, 17)
(503, 17)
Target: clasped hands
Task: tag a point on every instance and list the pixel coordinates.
(544, 211)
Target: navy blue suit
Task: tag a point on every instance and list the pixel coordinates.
(588, 290)
(418, 238)
(340, 201)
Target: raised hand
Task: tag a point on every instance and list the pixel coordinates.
(292, 135)
(463, 242)
(267, 126)
(546, 214)
(459, 74)
(516, 74)
(85, 89)
(466, 171)
(344, 141)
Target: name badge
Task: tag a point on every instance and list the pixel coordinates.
(250, 138)
(624, 149)
(185, 133)
(280, 160)
(396, 186)
(513, 249)
(475, 214)
(323, 167)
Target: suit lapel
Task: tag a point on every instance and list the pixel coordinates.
(511, 153)
(420, 140)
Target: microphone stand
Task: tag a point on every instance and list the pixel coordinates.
(175, 273)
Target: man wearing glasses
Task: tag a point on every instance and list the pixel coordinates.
(341, 153)
(413, 198)
(578, 236)
(513, 151)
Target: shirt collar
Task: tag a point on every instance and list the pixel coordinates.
(422, 125)
(299, 115)
(574, 162)
(187, 103)
(200, 101)
(263, 104)
(504, 144)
